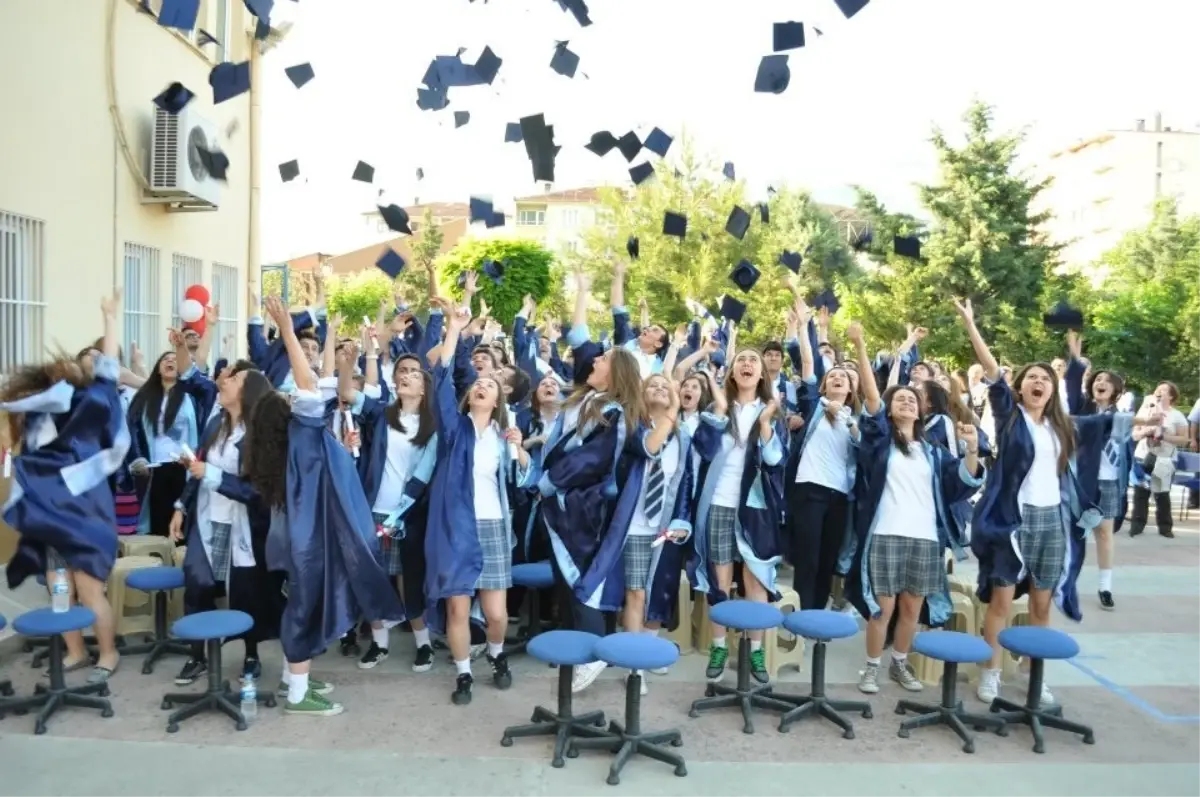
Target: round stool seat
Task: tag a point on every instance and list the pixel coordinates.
(821, 625)
(636, 651)
(47, 622)
(564, 648)
(745, 615)
(1038, 643)
(537, 575)
(154, 579)
(952, 646)
(216, 624)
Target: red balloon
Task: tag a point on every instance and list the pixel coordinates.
(199, 293)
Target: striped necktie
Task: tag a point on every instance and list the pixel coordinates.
(655, 488)
(1112, 453)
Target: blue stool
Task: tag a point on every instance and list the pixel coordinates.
(159, 581)
(51, 624)
(819, 626)
(6, 689)
(635, 652)
(1038, 644)
(952, 648)
(566, 650)
(212, 628)
(534, 577)
(743, 616)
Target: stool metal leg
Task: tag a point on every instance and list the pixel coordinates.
(218, 696)
(949, 713)
(161, 643)
(745, 695)
(563, 726)
(1033, 715)
(816, 703)
(50, 698)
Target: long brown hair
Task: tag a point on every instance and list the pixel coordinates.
(918, 433)
(624, 388)
(266, 448)
(852, 399)
(705, 397)
(940, 402)
(499, 412)
(254, 387)
(1054, 412)
(426, 424)
(29, 380)
(762, 390)
(147, 403)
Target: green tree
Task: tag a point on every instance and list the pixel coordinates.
(527, 270)
(356, 295)
(413, 282)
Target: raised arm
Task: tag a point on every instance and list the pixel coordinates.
(806, 353)
(371, 345)
(110, 308)
(302, 373)
(329, 352)
(456, 324)
(212, 320)
(870, 390)
(991, 369)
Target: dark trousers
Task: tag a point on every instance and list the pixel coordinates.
(574, 614)
(166, 485)
(1141, 511)
(817, 526)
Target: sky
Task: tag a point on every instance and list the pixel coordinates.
(860, 108)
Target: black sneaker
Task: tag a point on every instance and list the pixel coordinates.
(1106, 600)
(350, 644)
(501, 675)
(717, 656)
(1166, 533)
(252, 667)
(424, 660)
(461, 695)
(758, 666)
(374, 655)
(193, 670)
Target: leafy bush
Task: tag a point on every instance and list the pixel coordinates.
(527, 266)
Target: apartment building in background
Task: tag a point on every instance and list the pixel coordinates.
(557, 218)
(1106, 185)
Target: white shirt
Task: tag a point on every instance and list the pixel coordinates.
(1194, 415)
(1062, 396)
(645, 361)
(225, 457)
(487, 474)
(690, 422)
(728, 492)
(906, 508)
(828, 453)
(163, 448)
(669, 462)
(1040, 487)
(401, 458)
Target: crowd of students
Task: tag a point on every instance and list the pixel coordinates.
(327, 482)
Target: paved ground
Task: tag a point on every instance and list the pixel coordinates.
(1135, 682)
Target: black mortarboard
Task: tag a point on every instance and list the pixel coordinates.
(179, 14)
(564, 62)
(262, 29)
(674, 224)
(445, 71)
(363, 172)
(787, 36)
(633, 247)
(174, 97)
(432, 99)
(764, 212)
(658, 142)
(850, 7)
(791, 260)
(907, 246)
(512, 133)
(863, 240)
(420, 173)
(641, 173)
(396, 218)
(497, 219)
(773, 74)
(739, 222)
(1063, 316)
(487, 65)
(260, 8)
(462, 279)
(732, 309)
(390, 263)
(744, 275)
(214, 162)
(578, 9)
(203, 38)
(827, 299)
(602, 143)
(481, 209)
(630, 145)
(289, 171)
(228, 80)
(461, 118)
(728, 170)
(299, 74)
(748, 324)
(539, 146)
(493, 270)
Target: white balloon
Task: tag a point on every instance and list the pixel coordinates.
(191, 311)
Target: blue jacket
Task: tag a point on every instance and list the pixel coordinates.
(1089, 479)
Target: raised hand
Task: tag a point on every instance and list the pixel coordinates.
(854, 332)
(965, 311)
(212, 315)
(1074, 344)
(459, 319)
(969, 434)
(528, 306)
(109, 305)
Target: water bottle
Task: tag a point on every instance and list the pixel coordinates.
(249, 698)
(60, 593)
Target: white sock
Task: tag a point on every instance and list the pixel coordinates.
(718, 642)
(286, 678)
(297, 688)
(755, 644)
(650, 631)
(463, 667)
(874, 661)
(380, 637)
(390, 624)
(495, 649)
(899, 658)
(1106, 580)
(421, 637)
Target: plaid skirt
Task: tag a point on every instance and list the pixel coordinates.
(721, 523)
(1110, 500)
(497, 555)
(392, 547)
(1043, 545)
(638, 552)
(905, 564)
(218, 549)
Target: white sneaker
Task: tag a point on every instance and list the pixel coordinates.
(585, 674)
(989, 685)
(645, 690)
(660, 670)
(868, 682)
(1046, 700)
(903, 674)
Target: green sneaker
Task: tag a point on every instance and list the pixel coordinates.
(717, 656)
(758, 665)
(313, 705)
(320, 687)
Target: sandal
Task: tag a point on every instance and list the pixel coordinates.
(72, 667)
(100, 674)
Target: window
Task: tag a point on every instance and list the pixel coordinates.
(223, 31)
(570, 218)
(185, 272)
(22, 309)
(570, 246)
(226, 291)
(142, 325)
(381, 226)
(531, 218)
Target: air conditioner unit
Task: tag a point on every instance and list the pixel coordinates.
(177, 175)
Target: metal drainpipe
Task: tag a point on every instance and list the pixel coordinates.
(253, 271)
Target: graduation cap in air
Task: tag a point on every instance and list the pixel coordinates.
(390, 263)
(791, 260)
(461, 118)
(773, 74)
(396, 218)
(174, 97)
(363, 172)
(787, 36)
(827, 299)
(564, 62)
(641, 173)
(261, 9)
(512, 133)
(539, 146)
(728, 170)
(630, 145)
(420, 173)
(764, 212)
(633, 247)
(744, 275)
(289, 171)
(602, 143)
(462, 279)
(674, 224)
(214, 162)
(578, 9)
(300, 74)
(907, 246)
(658, 142)
(732, 309)
(229, 80)
(481, 209)
(493, 270)
(204, 38)
(448, 71)
(432, 99)
(179, 14)
(487, 65)
(1063, 316)
(497, 220)
(738, 223)
(851, 7)
(863, 240)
